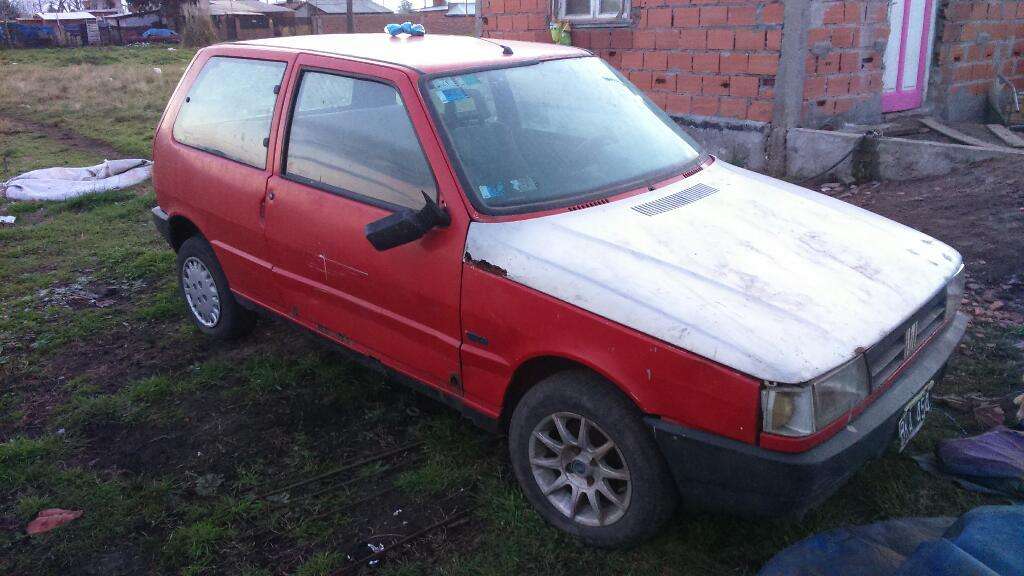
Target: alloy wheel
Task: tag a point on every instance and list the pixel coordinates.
(579, 469)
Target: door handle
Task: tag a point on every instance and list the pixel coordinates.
(270, 194)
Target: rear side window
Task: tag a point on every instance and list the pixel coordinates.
(354, 136)
(229, 109)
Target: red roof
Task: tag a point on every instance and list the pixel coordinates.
(430, 53)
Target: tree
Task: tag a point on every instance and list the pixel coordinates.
(11, 9)
(405, 7)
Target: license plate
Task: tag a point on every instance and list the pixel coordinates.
(913, 415)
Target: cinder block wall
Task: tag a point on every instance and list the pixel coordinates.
(975, 40)
(845, 45)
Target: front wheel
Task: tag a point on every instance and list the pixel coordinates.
(204, 288)
(587, 463)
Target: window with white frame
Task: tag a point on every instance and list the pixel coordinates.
(577, 10)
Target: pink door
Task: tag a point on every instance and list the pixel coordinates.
(908, 54)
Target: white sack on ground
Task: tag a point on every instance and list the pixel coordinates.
(67, 183)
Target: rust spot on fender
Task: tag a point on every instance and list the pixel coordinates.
(485, 266)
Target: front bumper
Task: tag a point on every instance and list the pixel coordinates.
(723, 474)
(162, 222)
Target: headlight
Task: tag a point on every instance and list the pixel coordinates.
(955, 292)
(805, 409)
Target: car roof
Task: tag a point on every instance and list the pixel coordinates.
(430, 53)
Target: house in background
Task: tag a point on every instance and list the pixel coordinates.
(250, 19)
(454, 9)
(735, 71)
(330, 17)
(128, 28)
(68, 28)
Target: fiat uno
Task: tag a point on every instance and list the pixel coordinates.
(516, 229)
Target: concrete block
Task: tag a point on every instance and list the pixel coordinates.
(809, 152)
(739, 142)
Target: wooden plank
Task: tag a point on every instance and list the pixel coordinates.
(1006, 135)
(955, 134)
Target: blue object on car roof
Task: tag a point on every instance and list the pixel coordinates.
(986, 541)
(405, 28)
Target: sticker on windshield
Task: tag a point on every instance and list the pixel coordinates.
(487, 192)
(456, 82)
(521, 185)
(445, 84)
(452, 95)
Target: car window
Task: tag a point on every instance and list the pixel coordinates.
(554, 133)
(229, 109)
(354, 136)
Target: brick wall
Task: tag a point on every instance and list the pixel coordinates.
(521, 20)
(845, 45)
(692, 57)
(975, 40)
(719, 57)
(435, 23)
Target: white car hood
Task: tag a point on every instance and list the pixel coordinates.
(770, 279)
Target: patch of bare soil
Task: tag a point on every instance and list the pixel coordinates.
(64, 136)
(980, 212)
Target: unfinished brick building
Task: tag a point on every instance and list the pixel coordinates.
(735, 71)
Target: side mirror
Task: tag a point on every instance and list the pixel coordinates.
(406, 225)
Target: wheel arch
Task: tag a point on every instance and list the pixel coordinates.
(181, 229)
(534, 370)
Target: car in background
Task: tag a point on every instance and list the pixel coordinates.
(519, 231)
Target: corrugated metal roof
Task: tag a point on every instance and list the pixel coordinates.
(65, 16)
(358, 7)
(131, 14)
(262, 7)
(231, 8)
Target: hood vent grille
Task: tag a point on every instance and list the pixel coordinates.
(673, 201)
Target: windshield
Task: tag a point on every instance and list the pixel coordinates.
(555, 133)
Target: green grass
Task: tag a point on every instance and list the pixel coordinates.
(163, 438)
(98, 56)
(111, 94)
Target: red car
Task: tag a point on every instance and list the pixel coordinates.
(516, 229)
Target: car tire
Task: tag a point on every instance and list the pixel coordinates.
(204, 290)
(632, 472)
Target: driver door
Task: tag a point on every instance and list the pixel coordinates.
(356, 147)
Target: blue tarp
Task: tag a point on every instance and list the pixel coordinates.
(987, 541)
(998, 453)
(991, 463)
(159, 33)
(28, 33)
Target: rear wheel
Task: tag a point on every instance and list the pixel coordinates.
(586, 461)
(204, 288)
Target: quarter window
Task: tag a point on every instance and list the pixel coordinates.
(229, 109)
(601, 10)
(354, 136)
